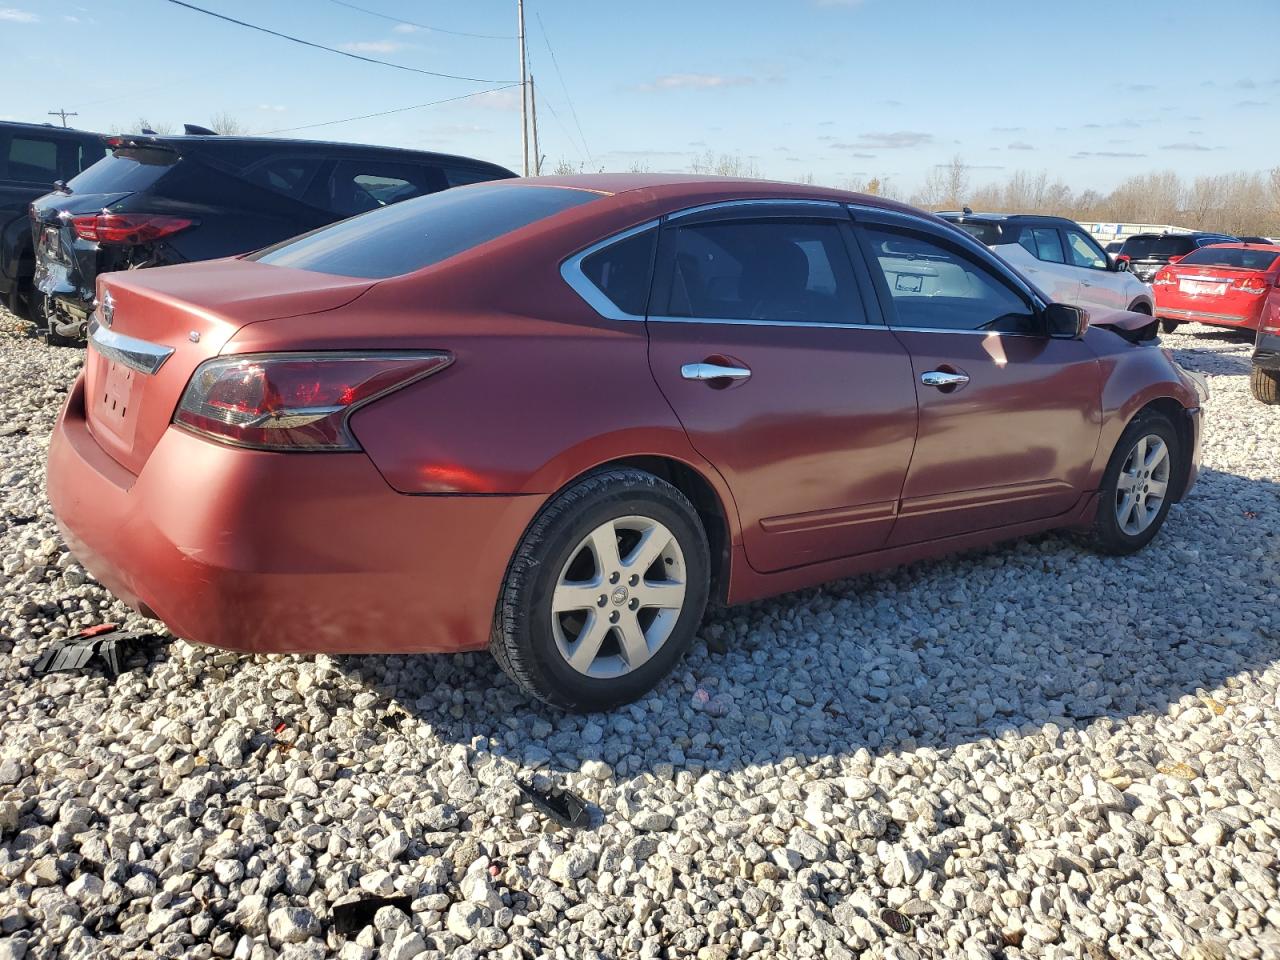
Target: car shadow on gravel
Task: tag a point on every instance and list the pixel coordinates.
(930, 655)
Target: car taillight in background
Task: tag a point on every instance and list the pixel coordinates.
(1163, 278)
(127, 227)
(1176, 258)
(288, 401)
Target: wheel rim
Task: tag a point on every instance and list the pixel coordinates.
(618, 597)
(1142, 485)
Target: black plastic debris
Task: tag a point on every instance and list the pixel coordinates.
(19, 521)
(898, 922)
(563, 806)
(350, 918)
(105, 643)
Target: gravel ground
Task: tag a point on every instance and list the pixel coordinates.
(1029, 751)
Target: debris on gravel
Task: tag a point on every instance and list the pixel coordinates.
(1027, 751)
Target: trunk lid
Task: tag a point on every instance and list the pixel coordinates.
(174, 318)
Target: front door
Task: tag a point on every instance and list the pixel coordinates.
(767, 341)
(1009, 418)
(1100, 286)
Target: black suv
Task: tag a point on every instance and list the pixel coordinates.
(158, 200)
(1148, 252)
(32, 157)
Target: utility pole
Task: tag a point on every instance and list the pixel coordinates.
(533, 112)
(524, 93)
(64, 114)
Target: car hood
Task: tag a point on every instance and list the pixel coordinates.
(1132, 326)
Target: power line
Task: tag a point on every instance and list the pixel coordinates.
(320, 46)
(565, 87)
(384, 113)
(423, 26)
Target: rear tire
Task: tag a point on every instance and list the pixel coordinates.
(1265, 385)
(588, 617)
(1168, 326)
(1137, 486)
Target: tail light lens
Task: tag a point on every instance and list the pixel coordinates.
(1177, 258)
(1163, 278)
(1252, 284)
(127, 227)
(289, 401)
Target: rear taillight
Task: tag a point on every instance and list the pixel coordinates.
(127, 227)
(1252, 284)
(1177, 258)
(290, 401)
(1163, 278)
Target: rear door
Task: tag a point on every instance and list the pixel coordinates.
(767, 342)
(1009, 418)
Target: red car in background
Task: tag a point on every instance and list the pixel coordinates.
(554, 417)
(1224, 285)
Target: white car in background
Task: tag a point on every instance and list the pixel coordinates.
(1060, 258)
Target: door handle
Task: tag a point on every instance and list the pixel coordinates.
(713, 371)
(942, 379)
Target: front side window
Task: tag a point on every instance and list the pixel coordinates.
(1043, 244)
(421, 232)
(936, 287)
(1084, 253)
(622, 271)
(790, 271)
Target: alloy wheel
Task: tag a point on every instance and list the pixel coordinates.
(1142, 485)
(618, 597)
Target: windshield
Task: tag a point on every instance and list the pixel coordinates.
(983, 232)
(126, 170)
(1233, 257)
(417, 233)
(1170, 245)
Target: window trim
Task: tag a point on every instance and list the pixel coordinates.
(572, 273)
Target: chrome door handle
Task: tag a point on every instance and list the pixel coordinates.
(713, 371)
(940, 378)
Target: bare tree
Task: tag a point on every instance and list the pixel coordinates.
(228, 125)
(724, 165)
(142, 123)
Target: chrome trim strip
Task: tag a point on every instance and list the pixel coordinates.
(1203, 313)
(140, 355)
(768, 323)
(971, 333)
(763, 201)
(571, 271)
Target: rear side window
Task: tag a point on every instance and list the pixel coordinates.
(764, 270)
(420, 232)
(33, 160)
(988, 233)
(359, 186)
(461, 176)
(1043, 243)
(289, 176)
(622, 271)
(126, 170)
(1237, 257)
(87, 154)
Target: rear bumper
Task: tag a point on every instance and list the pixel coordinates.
(1266, 353)
(282, 553)
(1212, 318)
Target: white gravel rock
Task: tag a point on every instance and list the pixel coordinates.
(1031, 751)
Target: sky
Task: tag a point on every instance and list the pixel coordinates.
(1091, 92)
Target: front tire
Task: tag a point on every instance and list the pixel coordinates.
(1168, 326)
(1265, 385)
(1137, 486)
(604, 593)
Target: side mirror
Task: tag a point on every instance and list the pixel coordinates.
(1065, 322)
(1120, 266)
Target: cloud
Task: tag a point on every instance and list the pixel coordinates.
(1187, 145)
(372, 46)
(897, 140)
(14, 15)
(696, 81)
(1106, 154)
(893, 103)
(1252, 104)
(855, 147)
(405, 28)
(827, 123)
(1020, 145)
(1008, 129)
(1245, 84)
(1140, 87)
(273, 107)
(504, 100)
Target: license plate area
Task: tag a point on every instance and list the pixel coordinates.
(1202, 288)
(114, 403)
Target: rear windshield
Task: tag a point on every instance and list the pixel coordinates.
(417, 233)
(1139, 248)
(988, 233)
(126, 170)
(1232, 257)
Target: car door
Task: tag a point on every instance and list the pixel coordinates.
(1009, 418)
(1047, 264)
(1100, 286)
(768, 343)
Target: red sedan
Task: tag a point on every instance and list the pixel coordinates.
(554, 417)
(1224, 285)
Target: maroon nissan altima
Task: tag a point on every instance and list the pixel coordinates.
(556, 417)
